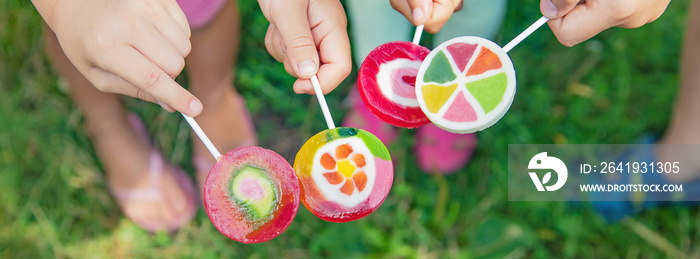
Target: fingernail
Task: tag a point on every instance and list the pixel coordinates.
(550, 10)
(307, 68)
(164, 106)
(195, 106)
(417, 14)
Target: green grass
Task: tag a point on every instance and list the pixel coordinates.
(611, 89)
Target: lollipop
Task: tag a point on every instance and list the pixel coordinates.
(345, 173)
(467, 84)
(386, 82)
(251, 194)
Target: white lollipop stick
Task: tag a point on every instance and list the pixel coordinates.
(322, 102)
(202, 136)
(525, 33)
(417, 34)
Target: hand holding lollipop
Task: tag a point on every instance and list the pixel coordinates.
(431, 13)
(574, 21)
(139, 58)
(310, 38)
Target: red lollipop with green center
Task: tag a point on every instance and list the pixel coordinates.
(251, 194)
(386, 82)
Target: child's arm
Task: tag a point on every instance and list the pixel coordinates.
(309, 37)
(130, 47)
(574, 21)
(431, 13)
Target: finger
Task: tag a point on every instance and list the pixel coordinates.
(177, 36)
(134, 68)
(179, 16)
(295, 30)
(417, 12)
(459, 4)
(278, 47)
(554, 9)
(110, 83)
(336, 63)
(402, 7)
(582, 23)
(329, 76)
(113, 84)
(161, 53)
(289, 68)
(164, 106)
(421, 11)
(442, 11)
(274, 43)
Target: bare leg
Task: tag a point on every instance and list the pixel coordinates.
(124, 155)
(685, 124)
(210, 71)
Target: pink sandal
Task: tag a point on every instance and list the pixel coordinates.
(203, 164)
(439, 151)
(360, 117)
(154, 192)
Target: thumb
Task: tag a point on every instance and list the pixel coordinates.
(581, 23)
(554, 9)
(298, 44)
(421, 11)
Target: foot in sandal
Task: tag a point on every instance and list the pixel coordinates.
(153, 193)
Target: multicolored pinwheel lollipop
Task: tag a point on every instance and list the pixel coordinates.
(466, 84)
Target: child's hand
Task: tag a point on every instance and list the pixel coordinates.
(130, 47)
(574, 21)
(309, 37)
(431, 13)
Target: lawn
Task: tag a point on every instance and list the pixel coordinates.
(610, 89)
